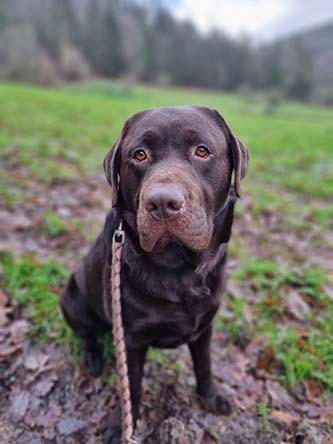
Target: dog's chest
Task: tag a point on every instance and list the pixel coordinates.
(167, 323)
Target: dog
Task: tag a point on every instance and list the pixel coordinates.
(175, 174)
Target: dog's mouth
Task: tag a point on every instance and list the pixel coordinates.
(166, 239)
(193, 231)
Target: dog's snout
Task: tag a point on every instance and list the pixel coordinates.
(164, 202)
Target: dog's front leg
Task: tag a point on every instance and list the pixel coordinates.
(135, 361)
(206, 388)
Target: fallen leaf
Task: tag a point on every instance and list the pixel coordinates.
(173, 430)
(19, 405)
(34, 359)
(265, 359)
(296, 306)
(248, 314)
(21, 222)
(327, 414)
(280, 398)
(3, 309)
(18, 330)
(288, 419)
(234, 289)
(303, 345)
(47, 419)
(313, 390)
(328, 292)
(3, 298)
(8, 350)
(311, 411)
(69, 425)
(42, 388)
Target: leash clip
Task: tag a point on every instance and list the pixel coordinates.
(119, 234)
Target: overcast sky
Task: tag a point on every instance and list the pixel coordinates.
(265, 19)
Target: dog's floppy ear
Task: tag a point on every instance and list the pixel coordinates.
(112, 160)
(111, 165)
(240, 154)
(112, 170)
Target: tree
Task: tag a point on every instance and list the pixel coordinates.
(102, 41)
(299, 83)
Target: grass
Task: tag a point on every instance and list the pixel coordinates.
(36, 286)
(262, 412)
(49, 135)
(303, 355)
(53, 225)
(301, 351)
(56, 134)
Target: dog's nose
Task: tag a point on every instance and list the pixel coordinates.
(164, 202)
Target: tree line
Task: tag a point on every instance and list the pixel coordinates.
(49, 41)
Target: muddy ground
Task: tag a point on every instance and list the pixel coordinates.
(47, 398)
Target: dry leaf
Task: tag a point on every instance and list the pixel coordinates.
(280, 398)
(288, 419)
(313, 390)
(296, 306)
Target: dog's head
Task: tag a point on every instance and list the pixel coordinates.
(172, 167)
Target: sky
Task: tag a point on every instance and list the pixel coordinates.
(264, 19)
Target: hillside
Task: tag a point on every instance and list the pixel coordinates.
(318, 43)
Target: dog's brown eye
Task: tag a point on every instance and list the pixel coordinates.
(202, 151)
(140, 155)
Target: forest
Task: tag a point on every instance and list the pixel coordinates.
(48, 42)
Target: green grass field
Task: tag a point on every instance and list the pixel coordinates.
(283, 242)
(56, 133)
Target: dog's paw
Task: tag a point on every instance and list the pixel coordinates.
(217, 404)
(93, 363)
(112, 435)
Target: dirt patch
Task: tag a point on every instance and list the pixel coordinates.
(46, 398)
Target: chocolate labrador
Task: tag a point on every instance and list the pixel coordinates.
(170, 173)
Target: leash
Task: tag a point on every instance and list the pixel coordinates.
(118, 337)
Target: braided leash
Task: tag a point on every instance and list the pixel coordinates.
(119, 341)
